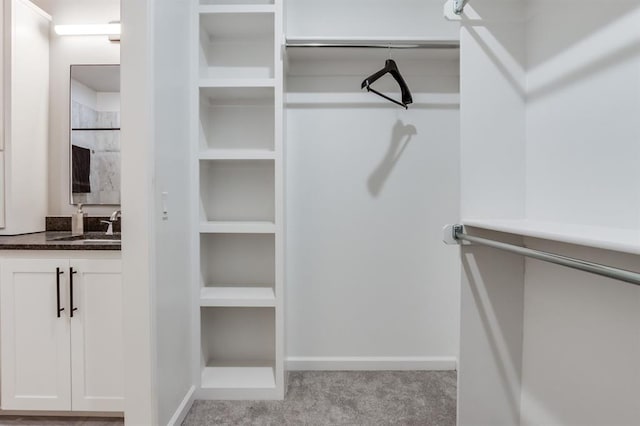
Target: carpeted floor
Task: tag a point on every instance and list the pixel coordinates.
(344, 398)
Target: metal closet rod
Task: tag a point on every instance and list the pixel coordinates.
(378, 45)
(570, 262)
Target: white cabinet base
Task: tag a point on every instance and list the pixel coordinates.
(51, 361)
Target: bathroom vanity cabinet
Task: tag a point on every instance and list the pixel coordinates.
(61, 328)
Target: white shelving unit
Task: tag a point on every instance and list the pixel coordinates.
(238, 187)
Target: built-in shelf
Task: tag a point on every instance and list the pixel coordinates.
(97, 129)
(235, 2)
(251, 377)
(237, 42)
(236, 82)
(239, 227)
(237, 122)
(237, 22)
(236, 193)
(238, 347)
(237, 297)
(236, 8)
(237, 154)
(237, 259)
(616, 239)
(434, 42)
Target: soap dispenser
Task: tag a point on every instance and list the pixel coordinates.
(77, 221)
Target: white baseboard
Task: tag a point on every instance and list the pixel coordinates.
(371, 363)
(183, 408)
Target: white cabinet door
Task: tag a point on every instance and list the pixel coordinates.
(35, 335)
(97, 336)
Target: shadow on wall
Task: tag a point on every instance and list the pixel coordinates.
(491, 335)
(565, 29)
(401, 135)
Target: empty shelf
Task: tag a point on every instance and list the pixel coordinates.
(238, 378)
(237, 227)
(234, 2)
(236, 8)
(237, 154)
(247, 297)
(237, 94)
(236, 82)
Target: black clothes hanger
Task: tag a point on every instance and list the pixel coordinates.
(390, 67)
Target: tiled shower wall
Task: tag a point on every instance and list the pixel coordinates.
(105, 152)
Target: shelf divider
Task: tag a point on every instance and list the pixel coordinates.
(237, 154)
(236, 82)
(239, 227)
(242, 297)
(236, 8)
(240, 377)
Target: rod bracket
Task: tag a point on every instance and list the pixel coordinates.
(458, 6)
(449, 234)
(453, 10)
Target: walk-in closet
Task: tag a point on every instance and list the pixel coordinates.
(332, 212)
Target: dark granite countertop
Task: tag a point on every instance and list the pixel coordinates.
(60, 241)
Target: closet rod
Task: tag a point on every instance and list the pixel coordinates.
(377, 44)
(583, 265)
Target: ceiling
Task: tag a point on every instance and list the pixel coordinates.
(101, 78)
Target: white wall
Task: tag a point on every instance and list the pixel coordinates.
(581, 342)
(368, 18)
(490, 366)
(369, 186)
(156, 250)
(582, 114)
(84, 94)
(582, 331)
(173, 281)
(138, 233)
(492, 88)
(66, 51)
(107, 101)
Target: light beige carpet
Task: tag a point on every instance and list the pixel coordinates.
(344, 398)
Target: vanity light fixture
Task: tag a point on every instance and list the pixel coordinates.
(111, 29)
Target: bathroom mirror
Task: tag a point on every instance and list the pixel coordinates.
(95, 134)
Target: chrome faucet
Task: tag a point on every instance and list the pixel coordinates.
(110, 228)
(114, 217)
